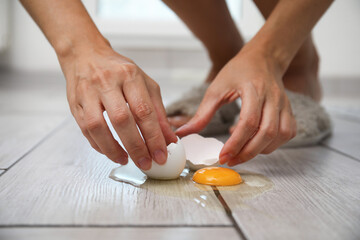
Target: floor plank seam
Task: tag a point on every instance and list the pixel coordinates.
(114, 226)
(229, 213)
(58, 127)
(339, 152)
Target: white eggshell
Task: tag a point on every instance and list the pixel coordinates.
(174, 165)
(200, 151)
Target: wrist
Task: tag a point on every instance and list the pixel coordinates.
(273, 50)
(71, 46)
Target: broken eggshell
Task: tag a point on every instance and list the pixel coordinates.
(201, 151)
(174, 165)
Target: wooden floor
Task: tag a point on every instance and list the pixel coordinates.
(54, 186)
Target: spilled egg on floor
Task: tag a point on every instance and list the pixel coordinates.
(217, 176)
(199, 153)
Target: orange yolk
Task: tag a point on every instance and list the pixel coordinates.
(217, 176)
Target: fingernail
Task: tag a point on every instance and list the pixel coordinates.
(123, 160)
(226, 158)
(145, 163)
(159, 157)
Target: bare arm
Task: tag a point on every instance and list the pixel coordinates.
(287, 27)
(100, 79)
(66, 24)
(255, 75)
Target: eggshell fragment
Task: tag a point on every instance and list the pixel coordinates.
(200, 151)
(174, 165)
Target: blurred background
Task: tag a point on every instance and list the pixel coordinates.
(150, 34)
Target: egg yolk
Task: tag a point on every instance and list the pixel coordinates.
(217, 176)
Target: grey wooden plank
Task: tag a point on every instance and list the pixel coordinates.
(346, 137)
(64, 181)
(20, 132)
(207, 233)
(32, 93)
(316, 196)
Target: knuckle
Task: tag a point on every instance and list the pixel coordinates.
(113, 154)
(93, 123)
(143, 111)
(121, 117)
(252, 123)
(271, 132)
(136, 149)
(286, 133)
(99, 78)
(128, 70)
(155, 137)
(81, 88)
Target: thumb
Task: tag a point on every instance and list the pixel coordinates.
(207, 108)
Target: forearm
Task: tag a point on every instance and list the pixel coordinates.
(286, 29)
(66, 24)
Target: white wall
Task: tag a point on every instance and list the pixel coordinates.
(337, 36)
(29, 49)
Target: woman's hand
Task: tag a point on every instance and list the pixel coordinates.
(99, 79)
(266, 121)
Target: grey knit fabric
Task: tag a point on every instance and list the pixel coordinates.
(313, 122)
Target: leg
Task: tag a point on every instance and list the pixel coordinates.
(211, 22)
(302, 74)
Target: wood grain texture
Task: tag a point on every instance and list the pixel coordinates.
(118, 233)
(21, 132)
(316, 196)
(64, 181)
(346, 137)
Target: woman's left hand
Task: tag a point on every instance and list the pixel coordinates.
(266, 120)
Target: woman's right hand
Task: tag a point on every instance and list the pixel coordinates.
(100, 79)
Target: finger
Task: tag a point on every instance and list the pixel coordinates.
(246, 127)
(232, 129)
(266, 134)
(97, 128)
(178, 121)
(287, 130)
(145, 116)
(91, 141)
(79, 117)
(208, 107)
(125, 126)
(165, 126)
